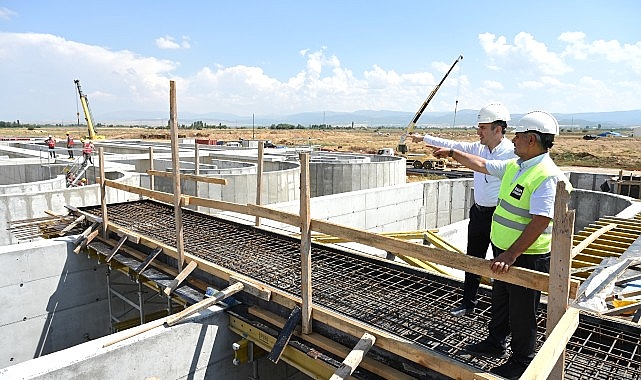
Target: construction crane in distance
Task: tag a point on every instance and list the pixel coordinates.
(91, 132)
(402, 147)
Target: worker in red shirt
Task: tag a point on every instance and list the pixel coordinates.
(70, 145)
(51, 143)
(87, 150)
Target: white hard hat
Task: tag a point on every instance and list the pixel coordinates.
(539, 121)
(493, 112)
(49, 135)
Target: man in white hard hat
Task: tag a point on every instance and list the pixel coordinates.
(492, 145)
(521, 233)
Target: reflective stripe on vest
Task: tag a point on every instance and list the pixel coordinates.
(86, 148)
(512, 213)
(51, 143)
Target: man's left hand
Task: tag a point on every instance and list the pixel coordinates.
(502, 262)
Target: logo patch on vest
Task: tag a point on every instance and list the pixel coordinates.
(517, 192)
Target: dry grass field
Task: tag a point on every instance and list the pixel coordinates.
(614, 153)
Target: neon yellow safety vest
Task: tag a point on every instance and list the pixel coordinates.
(512, 213)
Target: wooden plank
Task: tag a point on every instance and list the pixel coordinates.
(354, 359)
(141, 268)
(553, 347)
(258, 291)
(116, 248)
(190, 177)
(205, 303)
(519, 276)
(72, 225)
(151, 167)
(284, 335)
(305, 244)
(175, 318)
(180, 278)
(331, 346)
(583, 244)
(175, 163)
(560, 264)
(103, 192)
(157, 195)
(623, 309)
(219, 205)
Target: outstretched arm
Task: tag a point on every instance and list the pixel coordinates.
(468, 160)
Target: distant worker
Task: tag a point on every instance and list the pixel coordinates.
(522, 237)
(51, 143)
(70, 145)
(87, 150)
(492, 145)
(82, 182)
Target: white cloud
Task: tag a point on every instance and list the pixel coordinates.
(116, 81)
(612, 51)
(7, 14)
(169, 42)
(526, 55)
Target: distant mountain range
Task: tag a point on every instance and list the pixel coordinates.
(371, 119)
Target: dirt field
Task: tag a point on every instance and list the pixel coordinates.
(612, 153)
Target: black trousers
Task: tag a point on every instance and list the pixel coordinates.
(514, 309)
(478, 240)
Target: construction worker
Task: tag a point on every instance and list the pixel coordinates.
(51, 143)
(70, 145)
(492, 145)
(521, 234)
(87, 150)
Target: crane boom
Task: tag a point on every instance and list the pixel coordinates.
(412, 124)
(91, 132)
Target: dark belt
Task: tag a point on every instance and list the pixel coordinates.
(484, 208)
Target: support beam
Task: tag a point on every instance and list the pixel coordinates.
(103, 192)
(180, 278)
(560, 264)
(284, 335)
(190, 177)
(151, 167)
(354, 358)
(175, 162)
(593, 236)
(553, 348)
(259, 178)
(305, 244)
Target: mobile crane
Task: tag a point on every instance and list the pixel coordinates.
(91, 135)
(420, 161)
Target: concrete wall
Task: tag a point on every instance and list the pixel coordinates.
(405, 207)
(592, 205)
(21, 206)
(51, 299)
(200, 348)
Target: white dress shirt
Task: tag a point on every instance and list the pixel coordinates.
(486, 187)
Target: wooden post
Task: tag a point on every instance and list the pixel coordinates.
(259, 177)
(151, 167)
(196, 164)
(305, 245)
(560, 265)
(175, 162)
(103, 192)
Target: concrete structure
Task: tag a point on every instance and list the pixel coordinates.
(55, 301)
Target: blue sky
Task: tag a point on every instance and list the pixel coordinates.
(283, 57)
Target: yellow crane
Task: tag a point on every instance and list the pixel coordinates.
(91, 132)
(402, 147)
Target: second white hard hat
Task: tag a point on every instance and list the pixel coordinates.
(493, 112)
(539, 121)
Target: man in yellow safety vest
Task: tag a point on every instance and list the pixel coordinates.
(521, 232)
